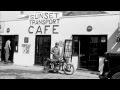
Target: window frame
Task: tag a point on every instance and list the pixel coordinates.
(15, 42)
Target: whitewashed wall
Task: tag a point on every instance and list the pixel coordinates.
(104, 24)
(68, 26)
(21, 28)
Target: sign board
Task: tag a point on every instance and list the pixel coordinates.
(89, 28)
(26, 39)
(44, 22)
(8, 30)
(2, 27)
(26, 48)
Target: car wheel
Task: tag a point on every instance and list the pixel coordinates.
(116, 76)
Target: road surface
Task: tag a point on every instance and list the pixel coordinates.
(23, 74)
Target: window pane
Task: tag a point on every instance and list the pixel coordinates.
(16, 44)
(68, 48)
(75, 51)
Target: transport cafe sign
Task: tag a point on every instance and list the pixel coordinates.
(44, 22)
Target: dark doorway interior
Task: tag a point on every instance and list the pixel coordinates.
(14, 43)
(89, 48)
(42, 48)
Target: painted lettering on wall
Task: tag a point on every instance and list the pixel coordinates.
(26, 48)
(44, 23)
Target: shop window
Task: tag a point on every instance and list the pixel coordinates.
(75, 50)
(0, 45)
(0, 42)
(94, 40)
(16, 44)
(103, 39)
(68, 49)
(75, 45)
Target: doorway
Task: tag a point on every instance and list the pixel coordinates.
(42, 48)
(13, 44)
(89, 48)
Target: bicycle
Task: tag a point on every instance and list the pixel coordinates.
(59, 65)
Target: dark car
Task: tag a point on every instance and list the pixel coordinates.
(111, 68)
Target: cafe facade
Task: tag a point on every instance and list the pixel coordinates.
(86, 38)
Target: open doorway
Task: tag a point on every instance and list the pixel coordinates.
(89, 48)
(42, 48)
(13, 44)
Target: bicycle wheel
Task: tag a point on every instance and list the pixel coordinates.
(46, 65)
(68, 69)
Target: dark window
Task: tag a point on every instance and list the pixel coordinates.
(75, 47)
(16, 44)
(0, 45)
(102, 45)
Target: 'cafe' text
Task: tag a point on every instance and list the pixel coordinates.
(44, 23)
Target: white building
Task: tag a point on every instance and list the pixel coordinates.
(88, 37)
(92, 36)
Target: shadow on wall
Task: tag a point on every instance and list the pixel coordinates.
(113, 46)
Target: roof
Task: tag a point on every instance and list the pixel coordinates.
(74, 13)
(91, 15)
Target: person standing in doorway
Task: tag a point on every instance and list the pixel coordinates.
(7, 50)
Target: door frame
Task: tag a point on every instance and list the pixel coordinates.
(13, 43)
(105, 35)
(36, 46)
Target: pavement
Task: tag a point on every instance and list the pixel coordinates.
(12, 71)
(20, 67)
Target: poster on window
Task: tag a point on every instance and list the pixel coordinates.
(26, 48)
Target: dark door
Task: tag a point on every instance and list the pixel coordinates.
(93, 61)
(97, 48)
(42, 48)
(4, 39)
(89, 49)
(0, 47)
(83, 52)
